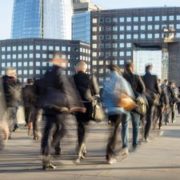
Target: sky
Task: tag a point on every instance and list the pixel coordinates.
(6, 8)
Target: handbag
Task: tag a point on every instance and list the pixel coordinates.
(126, 102)
(142, 104)
(98, 113)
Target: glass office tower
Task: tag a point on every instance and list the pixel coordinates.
(81, 28)
(42, 19)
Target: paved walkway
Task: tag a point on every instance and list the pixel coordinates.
(158, 159)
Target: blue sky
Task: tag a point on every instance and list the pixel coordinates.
(7, 5)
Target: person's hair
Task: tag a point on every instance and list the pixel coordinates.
(148, 67)
(113, 67)
(81, 66)
(29, 81)
(128, 65)
(9, 70)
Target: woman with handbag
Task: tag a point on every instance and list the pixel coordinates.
(88, 88)
(116, 95)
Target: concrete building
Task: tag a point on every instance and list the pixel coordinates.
(42, 19)
(84, 5)
(31, 56)
(132, 34)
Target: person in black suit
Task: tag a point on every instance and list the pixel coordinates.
(88, 87)
(152, 93)
(138, 88)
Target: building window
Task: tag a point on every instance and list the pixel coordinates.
(31, 63)
(38, 47)
(178, 35)
(31, 47)
(3, 56)
(149, 27)
(135, 19)
(50, 48)
(164, 18)
(128, 19)
(94, 63)
(171, 18)
(94, 29)
(94, 54)
(128, 36)
(121, 53)
(94, 46)
(115, 19)
(149, 36)
(14, 64)
(19, 48)
(44, 47)
(19, 64)
(19, 56)
(178, 17)
(3, 49)
(114, 45)
(157, 18)
(156, 27)
(3, 65)
(135, 28)
(25, 48)
(114, 37)
(25, 56)
(14, 48)
(38, 63)
(8, 48)
(128, 53)
(157, 35)
(135, 36)
(94, 37)
(128, 45)
(142, 36)
(50, 56)
(114, 53)
(121, 36)
(25, 64)
(19, 72)
(121, 45)
(150, 18)
(57, 48)
(143, 27)
(38, 72)
(115, 28)
(44, 56)
(25, 72)
(30, 71)
(8, 64)
(177, 26)
(121, 19)
(121, 28)
(8, 56)
(94, 20)
(44, 64)
(108, 37)
(31, 55)
(142, 19)
(14, 56)
(38, 55)
(128, 28)
(121, 62)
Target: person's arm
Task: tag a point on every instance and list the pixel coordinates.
(141, 85)
(95, 86)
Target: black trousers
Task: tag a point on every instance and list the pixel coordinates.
(149, 120)
(52, 137)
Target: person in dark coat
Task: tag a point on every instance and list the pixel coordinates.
(138, 88)
(12, 92)
(29, 100)
(152, 94)
(88, 88)
(58, 99)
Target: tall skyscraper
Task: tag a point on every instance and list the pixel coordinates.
(42, 19)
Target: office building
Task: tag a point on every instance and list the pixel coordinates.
(42, 19)
(130, 34)
(31, 57)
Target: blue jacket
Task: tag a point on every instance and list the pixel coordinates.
(112, 87)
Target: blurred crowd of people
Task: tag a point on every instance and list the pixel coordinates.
(56, 96)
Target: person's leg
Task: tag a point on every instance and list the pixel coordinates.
(115, 121)
(149, 117)
(125, 131)
(135, 128)
(46, 143)
(172, 113)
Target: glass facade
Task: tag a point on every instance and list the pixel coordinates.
(81, 28)
(42, 19)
